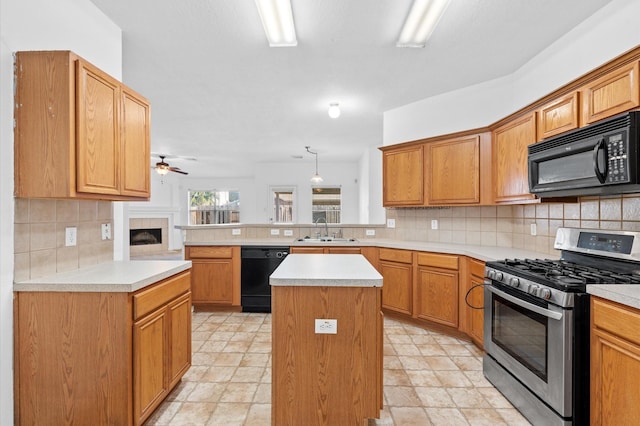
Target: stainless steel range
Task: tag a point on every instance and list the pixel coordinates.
(536, 323)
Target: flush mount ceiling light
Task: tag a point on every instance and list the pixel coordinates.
(334, 110)
(277, 20)
(421, 21)
(315, 178)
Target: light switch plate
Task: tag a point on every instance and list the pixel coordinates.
(275, 232)
(326, 326)
(534, 229)
(105, 229)
(236, 231)
(371, 232)
(391, 223)
(288, 232)
(70, 236)
(434, 224)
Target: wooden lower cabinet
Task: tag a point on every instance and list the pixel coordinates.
(615, 363)
(437, 288)
(102, 357)
(475, 298)
(215, 275)
(396, 268)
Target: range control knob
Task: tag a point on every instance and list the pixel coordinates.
(499, 276)
(545, 293)
(491, 274)
(514, 282)
(533, 290)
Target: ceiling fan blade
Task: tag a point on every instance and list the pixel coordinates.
(177, 170)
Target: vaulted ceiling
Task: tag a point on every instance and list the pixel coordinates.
(221, 94)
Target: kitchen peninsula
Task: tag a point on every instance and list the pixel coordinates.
(327, 340)
(104, 344)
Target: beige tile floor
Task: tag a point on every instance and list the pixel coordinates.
(429, 378)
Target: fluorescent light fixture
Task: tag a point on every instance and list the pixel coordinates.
(334, 110)
(277, 20)
(421, 21)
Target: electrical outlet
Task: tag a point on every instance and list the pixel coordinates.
(275, 232)
(434, 224)
(70, 236)
(534, 229)
(288, 232)
(236, 231)
(326, 326)
(370, 232)
(106, 231)
(391, 223)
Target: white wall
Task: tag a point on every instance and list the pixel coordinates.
(75, 25)
(608, 33)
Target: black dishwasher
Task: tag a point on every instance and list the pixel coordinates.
(258, 263)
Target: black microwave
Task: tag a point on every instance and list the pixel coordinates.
(599, 159)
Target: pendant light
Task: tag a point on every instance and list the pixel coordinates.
(315, 178)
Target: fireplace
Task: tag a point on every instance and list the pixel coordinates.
(148, 236)
(144, 236)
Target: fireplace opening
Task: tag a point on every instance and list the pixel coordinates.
(139, 237)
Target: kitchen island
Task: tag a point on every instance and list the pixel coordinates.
(327, 340)
(103, 344)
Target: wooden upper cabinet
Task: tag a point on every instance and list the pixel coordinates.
(558, 116)
(453, 171)
(613, 93)
(79, 133)
(510, 169)
(403, 176)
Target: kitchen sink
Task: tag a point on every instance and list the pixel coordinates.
(324, 240)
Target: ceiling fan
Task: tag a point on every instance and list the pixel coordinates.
(162, 167)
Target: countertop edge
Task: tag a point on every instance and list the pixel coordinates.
(96, 278)
(625, 294)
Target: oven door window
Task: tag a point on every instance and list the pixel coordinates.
(522, 334)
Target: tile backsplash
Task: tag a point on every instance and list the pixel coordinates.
(39, 247)
(510, 226)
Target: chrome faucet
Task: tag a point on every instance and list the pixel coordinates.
(326, 226)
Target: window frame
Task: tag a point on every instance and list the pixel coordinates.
(294, 203)
(228, 191)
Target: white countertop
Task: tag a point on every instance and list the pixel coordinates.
(626, 294)
(114, 276)
(337, 270)
(483, 253)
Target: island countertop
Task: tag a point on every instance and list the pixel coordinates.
(336, 270)
(116, 276)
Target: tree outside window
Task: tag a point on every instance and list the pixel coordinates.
(214, 207)
(326, 204)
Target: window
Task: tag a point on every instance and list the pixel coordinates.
(214, 207)
(326, 204)
(283, 205)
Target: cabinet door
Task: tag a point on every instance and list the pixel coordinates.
(150, 362)
(615, 92)
(212, 281)
(558, 116)
(510, 169)
(97, 131)
(135, 167)
(403, 176)
(397, 288)
(454, 171)
(476, 299)
(437, 298)
(615, 363)
(180, 338)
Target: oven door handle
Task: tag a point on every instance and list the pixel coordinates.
(537, 309)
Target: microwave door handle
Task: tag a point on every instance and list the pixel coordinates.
(600, 174)
(530, 306)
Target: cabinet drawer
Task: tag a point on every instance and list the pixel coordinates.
(148, 300)
(476, 268)
(438, 260)
(616, 319)
(209, 252)
(402, 256)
